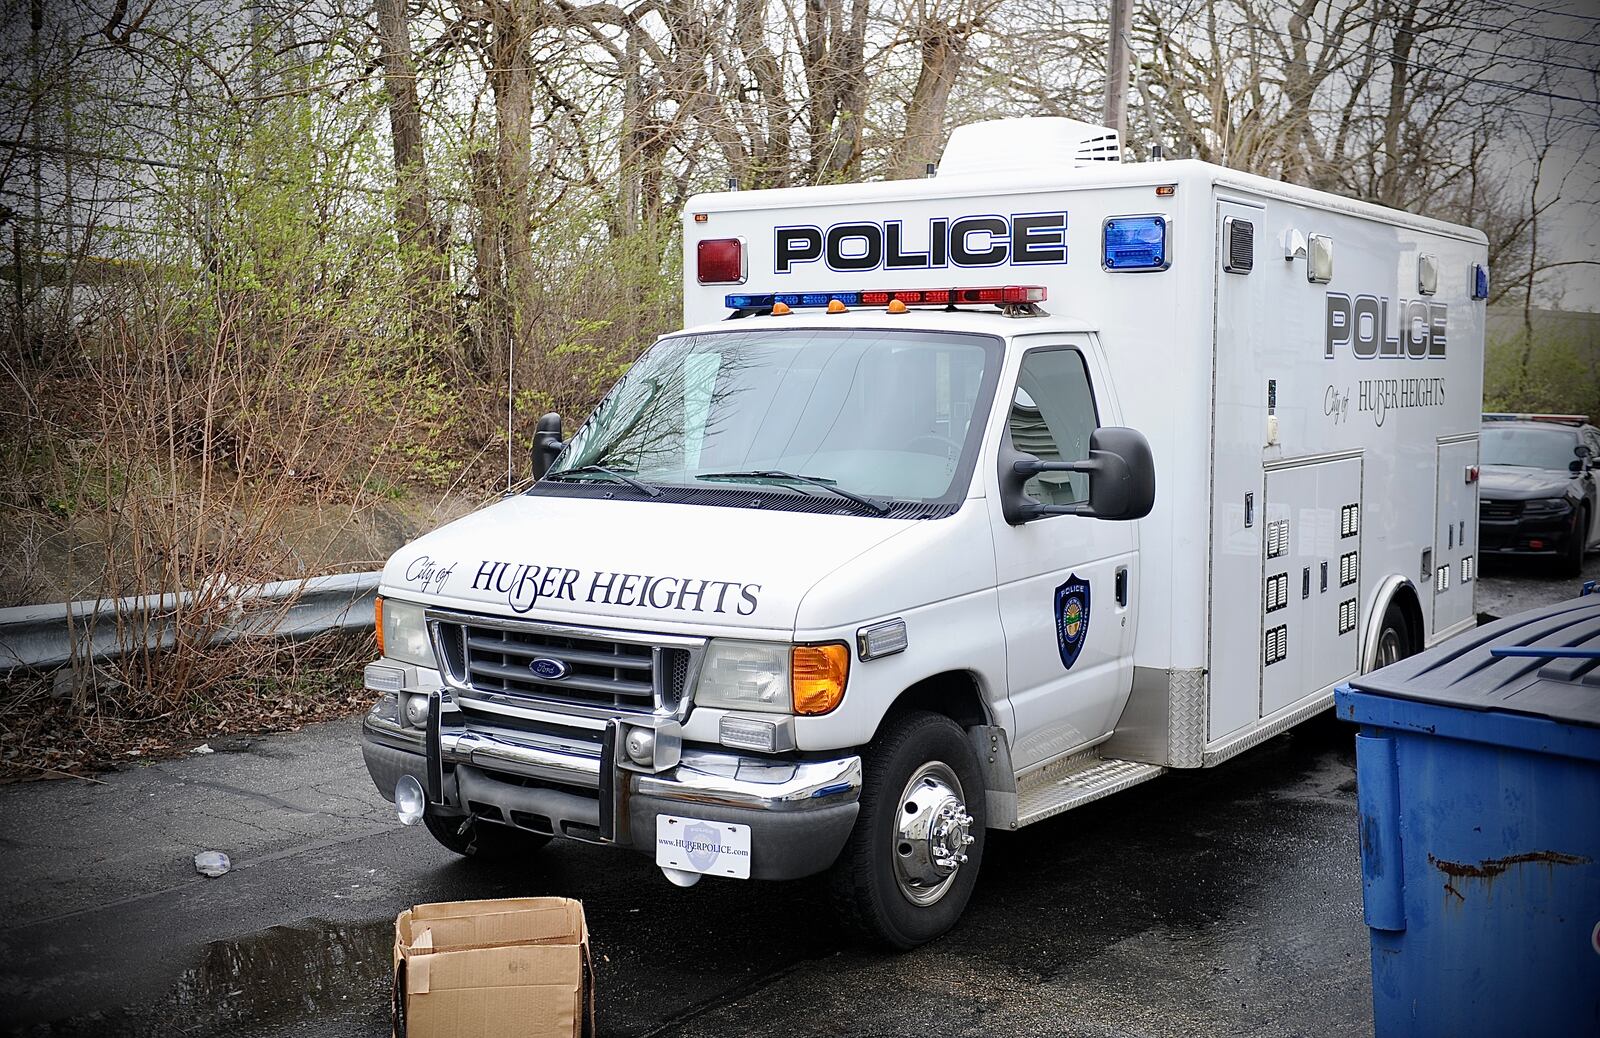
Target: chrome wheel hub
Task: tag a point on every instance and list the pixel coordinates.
(932, 833)
(1388, 647)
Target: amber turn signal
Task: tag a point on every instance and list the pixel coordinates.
(817, 674)
(377, 621)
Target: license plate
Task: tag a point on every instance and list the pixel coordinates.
(695, 845)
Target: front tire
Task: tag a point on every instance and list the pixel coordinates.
(909, 867)
(482, 841)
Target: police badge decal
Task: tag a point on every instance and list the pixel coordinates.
(1072, 618)
(703, 844)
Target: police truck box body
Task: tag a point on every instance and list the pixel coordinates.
(961, 502)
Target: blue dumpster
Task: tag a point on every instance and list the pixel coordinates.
(1478, 784)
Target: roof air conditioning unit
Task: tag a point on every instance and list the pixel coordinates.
(1041, 145)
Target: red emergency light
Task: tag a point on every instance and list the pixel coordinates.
(999, 295)
(720, 261)
(1002, 294)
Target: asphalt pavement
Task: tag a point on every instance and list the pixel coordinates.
(1218, 902)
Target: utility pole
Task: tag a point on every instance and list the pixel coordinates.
(1117, 65)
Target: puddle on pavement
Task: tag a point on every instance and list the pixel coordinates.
(334, 975)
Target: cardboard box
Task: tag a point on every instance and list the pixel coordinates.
(485, 969)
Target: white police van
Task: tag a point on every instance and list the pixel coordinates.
(960, 502)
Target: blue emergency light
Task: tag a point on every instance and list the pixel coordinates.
(748, 301)
(1480, 281)
(1130, 243)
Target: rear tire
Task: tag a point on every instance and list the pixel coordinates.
(1572, 559)
(482, 841)
(909, 867)
(1394, 638)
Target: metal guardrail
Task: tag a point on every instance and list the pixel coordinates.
(45, 636)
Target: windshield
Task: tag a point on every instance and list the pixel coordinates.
(1529, 448)
(877, 414)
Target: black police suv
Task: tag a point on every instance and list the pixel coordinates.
(1536, 493)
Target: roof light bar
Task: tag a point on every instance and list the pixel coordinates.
(1000, 295)
(1557, 419)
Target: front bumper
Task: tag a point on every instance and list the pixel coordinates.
(800, 812)
(1544, 533)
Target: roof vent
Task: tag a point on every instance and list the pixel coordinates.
(1046, 145)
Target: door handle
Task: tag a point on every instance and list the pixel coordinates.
(1122, 586)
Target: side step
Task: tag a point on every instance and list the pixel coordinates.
(1074, 781)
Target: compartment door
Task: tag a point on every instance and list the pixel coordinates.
(1455, 535)
(1310, 597)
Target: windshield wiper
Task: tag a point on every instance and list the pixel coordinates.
(830, 485)
(643, 488)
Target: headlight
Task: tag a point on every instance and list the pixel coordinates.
(1546, 506)
(744, 676)
(802, 679)
(403, 634)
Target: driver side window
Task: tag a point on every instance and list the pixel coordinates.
(1052, 417)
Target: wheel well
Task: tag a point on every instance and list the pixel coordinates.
(953, 694)
(1405, 599)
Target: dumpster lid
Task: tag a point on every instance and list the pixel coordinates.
(1541, 663)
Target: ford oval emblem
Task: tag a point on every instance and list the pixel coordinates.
(549, 669)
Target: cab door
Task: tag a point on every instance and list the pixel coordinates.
(1065, 583)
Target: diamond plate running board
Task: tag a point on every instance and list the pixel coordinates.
(1075, 781)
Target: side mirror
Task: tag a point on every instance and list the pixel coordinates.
(547, 444)
(1122, 479)
(1584, 460)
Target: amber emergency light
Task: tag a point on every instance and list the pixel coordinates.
(817, 674)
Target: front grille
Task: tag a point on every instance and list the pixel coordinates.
(599, 668)
(1499, 510)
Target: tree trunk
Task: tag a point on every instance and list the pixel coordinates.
(1525, 358)
(421, 247)
(835, 67)
(771, 166)
(1405, 38)
(490, 333)
(625, 220)
(512, 23)
(943, 48)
